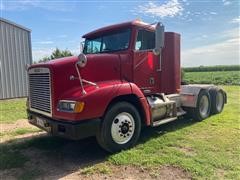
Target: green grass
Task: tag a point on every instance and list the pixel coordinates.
(217, 77)
(11, 158)
(12, 110)
(19, 131)
(99, 168)
(203, 148)
(207, 150)
(22, 131)
(30, 174)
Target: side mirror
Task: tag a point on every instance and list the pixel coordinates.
(82, 60)
(159, 38)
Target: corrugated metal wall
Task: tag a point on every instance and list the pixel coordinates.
(15, 53)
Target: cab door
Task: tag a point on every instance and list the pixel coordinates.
(145, 66)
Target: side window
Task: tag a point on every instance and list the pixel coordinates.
(145, 40)
(93, 46)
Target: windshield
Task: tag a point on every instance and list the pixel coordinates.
(107, 43)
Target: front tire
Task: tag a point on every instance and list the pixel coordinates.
(120, 128)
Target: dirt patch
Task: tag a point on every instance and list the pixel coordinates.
(8, 130)
(20, 138)
(171, 173)
(53, 158)
(21, 123)
(186, 150)
(119, 172)
(67, 160)
(219, 173)
(136, 173)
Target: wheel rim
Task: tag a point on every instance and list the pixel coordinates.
(204, 106)
(123, 127)
(219, 101)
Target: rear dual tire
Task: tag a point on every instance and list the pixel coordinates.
(217, 100)
(208, 102)
(203, 108)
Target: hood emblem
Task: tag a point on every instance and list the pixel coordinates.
(37, 70)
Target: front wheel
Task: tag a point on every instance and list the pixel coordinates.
(120, 128)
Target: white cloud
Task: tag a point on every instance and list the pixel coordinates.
(41, 53)
(226, 2)
(225, 52)
(44, 42)
(236, 20)
(29, 4)
(169, 9)
(213, 13)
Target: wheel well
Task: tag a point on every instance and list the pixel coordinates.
(132, 99)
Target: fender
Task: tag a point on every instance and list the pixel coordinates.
(144, 103)
(97, 100)
(189, 93)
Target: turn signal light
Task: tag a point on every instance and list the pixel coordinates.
(79, 106)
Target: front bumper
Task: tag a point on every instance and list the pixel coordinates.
(69, 130)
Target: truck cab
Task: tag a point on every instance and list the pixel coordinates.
(128, 76)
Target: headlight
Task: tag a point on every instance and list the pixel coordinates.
(70, 106)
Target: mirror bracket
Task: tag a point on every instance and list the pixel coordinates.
(159, 43)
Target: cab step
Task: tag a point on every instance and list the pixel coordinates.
(163, 121)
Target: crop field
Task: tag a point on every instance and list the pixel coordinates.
(183, 149)
(213, 77)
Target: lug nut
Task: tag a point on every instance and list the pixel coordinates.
(116, 121)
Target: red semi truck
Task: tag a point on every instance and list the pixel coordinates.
(127, 76)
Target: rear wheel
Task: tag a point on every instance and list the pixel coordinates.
(203, 108)
(120, 128)
(217, 100)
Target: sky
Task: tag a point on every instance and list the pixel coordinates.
(209, 28)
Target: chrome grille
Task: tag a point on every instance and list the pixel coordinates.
(40, 90)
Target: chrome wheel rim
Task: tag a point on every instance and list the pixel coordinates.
(219, 101)
(204, 106)
(122, 128)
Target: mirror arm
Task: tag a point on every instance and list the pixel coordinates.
(91, 83)
(80, 79)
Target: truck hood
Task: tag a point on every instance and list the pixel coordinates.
(100, 67)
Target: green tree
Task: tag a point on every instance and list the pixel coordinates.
(182, 74)
(57, 53)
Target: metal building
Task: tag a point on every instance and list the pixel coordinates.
(15, 53)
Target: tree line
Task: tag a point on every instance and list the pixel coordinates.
(57, 53)
(212, 68)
